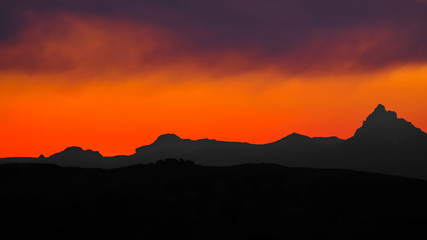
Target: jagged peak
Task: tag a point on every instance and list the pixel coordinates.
(380, 113)
(380, 108)
(382, 125)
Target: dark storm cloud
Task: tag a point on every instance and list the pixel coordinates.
(300, 33)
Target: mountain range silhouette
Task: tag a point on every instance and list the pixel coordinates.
(383, 144)
(230, 190)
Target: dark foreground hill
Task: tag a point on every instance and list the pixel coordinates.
(181, 200)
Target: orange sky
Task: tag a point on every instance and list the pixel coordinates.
(115, 86)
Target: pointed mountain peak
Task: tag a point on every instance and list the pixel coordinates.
(381, 114)
(380, 108)
(168, 138)
(383, 126)
(294, 137)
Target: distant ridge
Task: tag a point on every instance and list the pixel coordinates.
(383, 144)
(294, 138)
(77, 152)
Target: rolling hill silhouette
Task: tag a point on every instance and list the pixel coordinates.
(181, 200)
(384, 144)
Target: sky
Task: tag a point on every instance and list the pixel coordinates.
(114, 75)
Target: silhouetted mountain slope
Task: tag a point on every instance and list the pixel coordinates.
(383, 128)
(76, 153)
(207, 151)
(219, 153)
(295, 139)
(384, 144)
(329, 141)
(181, 200)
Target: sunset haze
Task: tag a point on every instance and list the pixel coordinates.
(114, 75)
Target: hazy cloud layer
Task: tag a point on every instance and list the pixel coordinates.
(293, 35)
